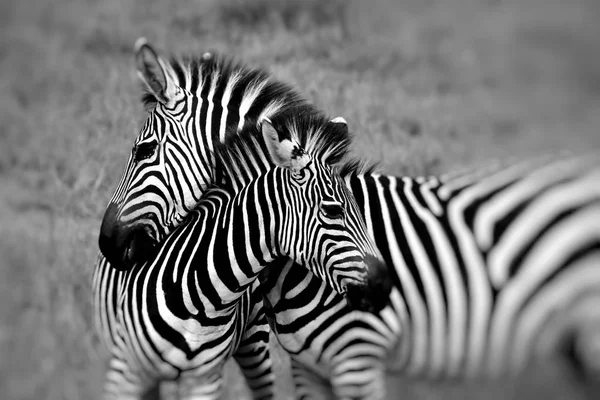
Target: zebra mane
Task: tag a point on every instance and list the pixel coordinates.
(212, 71)
(355, 166)
(243, 155)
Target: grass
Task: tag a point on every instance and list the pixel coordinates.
(426, 85)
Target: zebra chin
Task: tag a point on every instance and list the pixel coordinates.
(374, 294)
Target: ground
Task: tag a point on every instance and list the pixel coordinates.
(426, 85)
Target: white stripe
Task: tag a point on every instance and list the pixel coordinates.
(233, 80)
(211, 94)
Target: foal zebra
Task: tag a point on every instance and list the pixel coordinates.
(181, 316)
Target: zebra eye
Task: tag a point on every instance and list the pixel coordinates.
(144, 150)
(333, 210)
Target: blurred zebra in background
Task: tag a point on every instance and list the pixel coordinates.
(182, 315)
(492, 269)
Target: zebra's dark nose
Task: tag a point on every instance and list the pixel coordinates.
(373, 296)
(110, 237)
(124, 246)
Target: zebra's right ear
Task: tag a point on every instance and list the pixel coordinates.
(153, 73)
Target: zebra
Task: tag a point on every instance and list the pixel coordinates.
(493, 269)
(177, 317)
(414, 308)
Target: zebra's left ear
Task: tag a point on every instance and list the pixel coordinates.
(284, 151)
(153, 72)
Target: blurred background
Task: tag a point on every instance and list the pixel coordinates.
(426, 85)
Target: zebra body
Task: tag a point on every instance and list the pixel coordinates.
(492, 270)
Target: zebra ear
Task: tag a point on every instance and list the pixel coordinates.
(341, 121)
(284, 151)
(337, 132)
(153, 73)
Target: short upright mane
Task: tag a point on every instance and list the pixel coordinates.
(243, 156)
(253, 91)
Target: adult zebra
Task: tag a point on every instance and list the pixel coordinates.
(182, 315)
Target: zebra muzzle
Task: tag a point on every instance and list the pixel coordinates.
(125, 246)
(374, 295)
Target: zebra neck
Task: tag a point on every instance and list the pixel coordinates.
(242, 229)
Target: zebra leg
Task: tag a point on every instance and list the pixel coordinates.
(189, 387)
(253, 355)
(308, 384)
(121, 383)
(350, 382)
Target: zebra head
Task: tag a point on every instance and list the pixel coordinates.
(149, 201)
(318, 222)
(191, 102)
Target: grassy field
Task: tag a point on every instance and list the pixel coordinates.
(427, 85)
